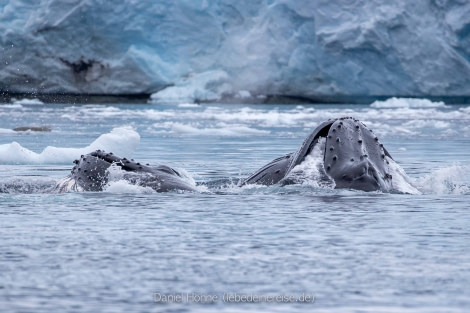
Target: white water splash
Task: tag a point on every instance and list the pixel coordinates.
(400, 181)
(124, 186)
(117, 182)
(121, 181)
(310, 172)
(451, 180)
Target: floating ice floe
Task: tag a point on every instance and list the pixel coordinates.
(392, 103)
(121, 140)
(26, 101)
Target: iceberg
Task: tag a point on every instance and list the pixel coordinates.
(206, 50)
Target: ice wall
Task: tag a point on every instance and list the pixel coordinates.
(204, 50)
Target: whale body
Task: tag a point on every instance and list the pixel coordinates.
(92, 172)
(353, 158)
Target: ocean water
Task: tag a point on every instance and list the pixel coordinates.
(298, 248)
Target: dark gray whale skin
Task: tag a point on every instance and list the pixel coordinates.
(353, 157)
(91, 173)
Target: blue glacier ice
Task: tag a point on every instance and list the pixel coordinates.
(203, 50)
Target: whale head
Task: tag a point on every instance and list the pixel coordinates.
(92, 172)
(354, 157)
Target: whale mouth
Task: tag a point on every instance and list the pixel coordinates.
(363, 177)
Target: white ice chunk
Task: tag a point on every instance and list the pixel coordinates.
(121, 141)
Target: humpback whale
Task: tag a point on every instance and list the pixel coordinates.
(92, 172)
(353, 158)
